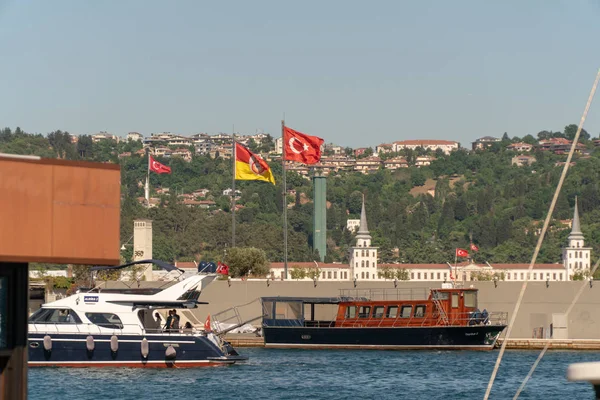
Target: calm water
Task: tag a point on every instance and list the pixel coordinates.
(322, 374)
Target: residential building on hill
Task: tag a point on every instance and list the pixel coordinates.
(104, 136)
(135, 136)
(484, 142)
(522, 160)
(395, 163)
(447, 146)
(369, 164)
(520, 147)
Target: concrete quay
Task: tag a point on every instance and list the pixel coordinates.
(251, 340)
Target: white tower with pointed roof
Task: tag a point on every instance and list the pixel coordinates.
(576, 257)
(363, 256)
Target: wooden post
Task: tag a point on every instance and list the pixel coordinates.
(14, 298)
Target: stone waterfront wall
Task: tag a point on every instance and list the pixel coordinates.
(539, 303)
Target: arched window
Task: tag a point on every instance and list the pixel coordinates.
(356, 253)
(362, 263)
(362, 275)
(367, 263)
(570, 255)
(580, 255)
(363, 253)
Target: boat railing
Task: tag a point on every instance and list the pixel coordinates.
(461, 319)
(103, 329)
(384, 294)
(235, 317)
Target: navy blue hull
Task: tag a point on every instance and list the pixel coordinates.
(461, 337)
(71, 350)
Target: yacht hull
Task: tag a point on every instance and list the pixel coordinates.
(479, 337)
(71, 350)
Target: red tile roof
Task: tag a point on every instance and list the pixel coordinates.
(426, 142)
(292, 264)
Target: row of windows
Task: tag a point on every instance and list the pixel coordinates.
(362, 253)
(388, 311)
(431, 275)
(365, 275)
(580, 254)
(363, 264)
(343, 275)
(68, 316)
(515, 276)
(578, 264)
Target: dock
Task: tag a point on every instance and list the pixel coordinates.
(555, 344)
(251, 340)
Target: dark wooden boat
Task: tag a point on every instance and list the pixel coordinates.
(445, 318)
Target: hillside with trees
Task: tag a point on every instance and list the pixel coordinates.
(478, 195)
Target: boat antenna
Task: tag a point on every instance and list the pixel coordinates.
(541, 238)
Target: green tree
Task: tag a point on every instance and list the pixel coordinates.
(244, 261)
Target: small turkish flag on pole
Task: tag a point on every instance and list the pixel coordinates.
(207, 327)
(462, 253)
(474, 247)
(222, 268)
(301, 147)
(157, 167)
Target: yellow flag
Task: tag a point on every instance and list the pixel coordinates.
(250, 167)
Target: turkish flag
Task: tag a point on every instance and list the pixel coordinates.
(222, 268)
(207, 327)
(157, 167)
(300, 147)
(474, 248)
(462, 253)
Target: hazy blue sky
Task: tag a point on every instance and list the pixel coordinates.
(353, 72)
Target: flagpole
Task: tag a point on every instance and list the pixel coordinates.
(147, 188)
(455, 269)
(285, 242)
(233, 189)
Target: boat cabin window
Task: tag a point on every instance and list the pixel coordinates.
(364, 311)
(105, 320)
(420, 311)
(55, 316)
(378, 311)
(406, 311)
(351, 312)
(471, 299)
(440, 295)
(454, 300)
(392, 312)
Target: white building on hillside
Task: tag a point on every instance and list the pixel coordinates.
(364, 266)
(363, 256)
(446, 146)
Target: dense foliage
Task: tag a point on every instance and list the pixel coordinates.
(478, 195)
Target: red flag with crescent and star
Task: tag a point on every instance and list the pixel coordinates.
(222, 268)
(300, 147)
(474, 247)
(462, 253)
(207, 327)
(157, 167)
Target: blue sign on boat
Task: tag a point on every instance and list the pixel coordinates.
(90, 299)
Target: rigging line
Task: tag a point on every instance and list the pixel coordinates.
(543, 352)
(540, 239)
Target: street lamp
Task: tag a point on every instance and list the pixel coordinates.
(126, 243)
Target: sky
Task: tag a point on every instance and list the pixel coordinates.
(356, 73)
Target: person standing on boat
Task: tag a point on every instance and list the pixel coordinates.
(169, 321)
(158, 319)
(175, 321)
